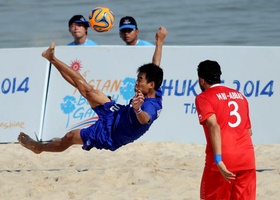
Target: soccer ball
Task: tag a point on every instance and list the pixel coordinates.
(101, 19)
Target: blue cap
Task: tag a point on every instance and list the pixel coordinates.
(78, 19)
(128, 23)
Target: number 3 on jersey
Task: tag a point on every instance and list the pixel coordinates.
(235, 113)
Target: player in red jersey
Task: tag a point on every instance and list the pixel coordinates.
(230, 170)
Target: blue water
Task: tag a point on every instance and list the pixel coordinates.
(34, 23)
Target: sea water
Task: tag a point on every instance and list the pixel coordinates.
(34, 23)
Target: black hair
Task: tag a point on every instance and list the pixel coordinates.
(153, 73)
(210, 71)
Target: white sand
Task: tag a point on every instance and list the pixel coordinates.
(138, 171)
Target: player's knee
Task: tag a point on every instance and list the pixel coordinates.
(73, 137)
(69, 136)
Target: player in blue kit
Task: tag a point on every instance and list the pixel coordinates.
(117, 124)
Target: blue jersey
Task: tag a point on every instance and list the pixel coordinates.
(143, 43)
(87, 43)
(127, 127)
(118, 124)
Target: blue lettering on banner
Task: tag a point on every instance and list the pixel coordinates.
(254, 88)
(187, 88)
(14, 85)
(190, 108)
(82, 113)
(79, 109)
(191, 88)
(173, 87)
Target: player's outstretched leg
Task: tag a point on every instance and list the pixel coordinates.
(49, 53)
(93, 96)
(67, 73)
(57, 145)
(29, 143)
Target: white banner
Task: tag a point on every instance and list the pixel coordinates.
(112, 69)
(23, 80)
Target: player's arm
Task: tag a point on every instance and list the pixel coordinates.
(216, 142)
(215, 135)
(250, 132)
(160, 36)
(142, 116)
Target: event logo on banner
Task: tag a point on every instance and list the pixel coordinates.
(77, 108)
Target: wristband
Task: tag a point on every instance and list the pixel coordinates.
(138, 111)
(217, 158)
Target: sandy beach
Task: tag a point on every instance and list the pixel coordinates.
(138, 171)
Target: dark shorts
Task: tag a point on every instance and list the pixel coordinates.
(98, 135)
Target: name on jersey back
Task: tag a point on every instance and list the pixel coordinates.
(230, 95)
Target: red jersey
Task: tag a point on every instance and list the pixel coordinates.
(232, 113)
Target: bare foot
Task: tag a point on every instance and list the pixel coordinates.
(29, 143)
(49, 53)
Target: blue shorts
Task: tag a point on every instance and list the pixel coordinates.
(98, 135)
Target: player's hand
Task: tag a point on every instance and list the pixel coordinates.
(226, 174)
(137, 100)
(161, 34)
